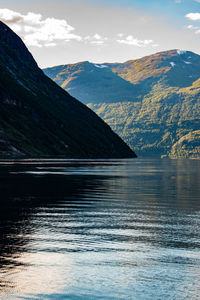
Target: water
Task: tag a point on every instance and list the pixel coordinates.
(114, 229)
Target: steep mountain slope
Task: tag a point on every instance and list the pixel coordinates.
(164, 105)
(39, 118)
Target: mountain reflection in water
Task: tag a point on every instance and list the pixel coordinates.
(99, 229)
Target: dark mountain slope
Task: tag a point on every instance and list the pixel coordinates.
(165, 103)
(39, 118)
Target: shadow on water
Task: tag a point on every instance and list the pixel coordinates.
(22, 192)
(136, 217)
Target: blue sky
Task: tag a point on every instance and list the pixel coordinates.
(68, 31)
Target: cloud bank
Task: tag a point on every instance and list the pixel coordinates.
(35, 30)
(193, 16)
(38, 31)
(130, 40)
(96, 39)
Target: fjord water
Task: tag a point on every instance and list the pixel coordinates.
(100, 229)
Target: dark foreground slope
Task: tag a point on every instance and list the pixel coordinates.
(164, 104)
(39, 118)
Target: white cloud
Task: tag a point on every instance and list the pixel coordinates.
(96, 39)
(192, 27)
(195, 28)
(97, 36)
(130, 40)
(38, 31)
(50, 45)
(97, 42)
(193, 16)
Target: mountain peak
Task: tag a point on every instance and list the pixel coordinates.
(13, 43)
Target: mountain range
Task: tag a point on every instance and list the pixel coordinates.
(38, 118)
(150, 102)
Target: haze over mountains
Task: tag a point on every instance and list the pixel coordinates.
(39, 118)
(150, 102)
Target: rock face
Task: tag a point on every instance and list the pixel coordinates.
(160, 104)
(38, 118)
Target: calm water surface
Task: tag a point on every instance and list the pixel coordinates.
(88, 229)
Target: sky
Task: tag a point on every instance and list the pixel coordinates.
(69, 31)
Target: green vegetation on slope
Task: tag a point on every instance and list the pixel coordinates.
(164, 105)
(188, 146)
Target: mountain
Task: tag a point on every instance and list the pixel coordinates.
(91, 82)
(161, 105)
(38, 118)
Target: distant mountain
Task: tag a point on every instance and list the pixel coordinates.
(159, 106)
(38, 118)
(92, 82)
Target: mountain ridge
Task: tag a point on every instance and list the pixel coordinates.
(38, 118)
(162, 104)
